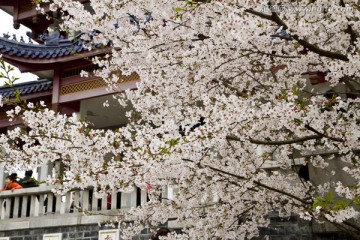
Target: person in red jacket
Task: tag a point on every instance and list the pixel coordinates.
(10, 184)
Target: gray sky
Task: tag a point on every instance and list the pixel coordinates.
(6, 26)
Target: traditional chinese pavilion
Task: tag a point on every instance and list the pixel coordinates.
(57, 60)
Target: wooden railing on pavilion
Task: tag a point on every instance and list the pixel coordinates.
(40, 201)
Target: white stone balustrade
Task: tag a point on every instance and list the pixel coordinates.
(39, 207)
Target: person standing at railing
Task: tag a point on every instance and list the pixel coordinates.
(28, 181)
(11, 184)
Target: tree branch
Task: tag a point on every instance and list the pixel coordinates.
(255, 182)
(321, 52)
(275, 18)
(284, 142)
(307, 126)
(259, 14)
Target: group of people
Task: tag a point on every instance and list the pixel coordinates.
(12, 182)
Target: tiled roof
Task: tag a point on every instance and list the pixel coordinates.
(54, 47)
(26, 88)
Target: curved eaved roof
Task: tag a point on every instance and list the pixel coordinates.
(55, 47)
(36, 86)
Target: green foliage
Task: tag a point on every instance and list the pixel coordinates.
(329, 203)
(36, 2)
(189, 5)
(295, 91)
(356, 201)
(173, 142)
(5, 73)
(324, 202)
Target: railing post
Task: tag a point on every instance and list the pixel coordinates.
(32, 205)
(113, 200)
(68, 202)
(50, 202)
(16, 207)
(41, 204)
(24, 206)
(85, 200)
(2, 209)
(94, 202)
(143, 197)
(58, 205)
(7, 207)
(164, 194)
(128, 200)
(76, 201)
(104, 203)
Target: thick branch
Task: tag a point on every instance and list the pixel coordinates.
(322, 134)
(284, 142)
(275, 18)
(347, 223)
(260, 14)
(321, 52)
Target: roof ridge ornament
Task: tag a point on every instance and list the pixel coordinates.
(6, 35)
(52, 38)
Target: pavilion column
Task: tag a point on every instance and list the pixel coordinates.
(44, 171)
(56, 88)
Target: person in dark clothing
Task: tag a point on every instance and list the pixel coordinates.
(162, 232)
(28, 181)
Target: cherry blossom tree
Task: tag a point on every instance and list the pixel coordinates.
(224, 91)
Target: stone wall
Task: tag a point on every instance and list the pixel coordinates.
(85, 232)
(291, 228)
(88, 232)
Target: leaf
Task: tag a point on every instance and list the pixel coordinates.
(330, 197)
(340, 205)
(357, 200)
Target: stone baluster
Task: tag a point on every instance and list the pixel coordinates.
(143, 197)
(128, 200)
(85, 200)
(76, 201)
(58, 208)
(33, 205)
(114, 199)
(16, 206)
(7, 207)
(49, 203)
(68, 201)
(94, 204)
(24, 206)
